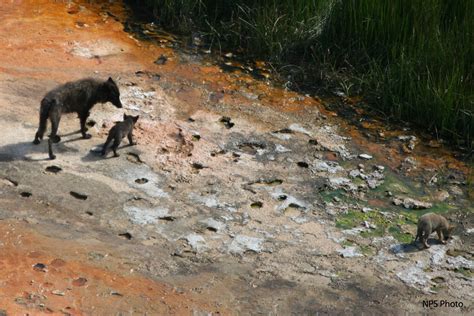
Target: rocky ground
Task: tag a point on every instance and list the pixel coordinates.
(240, 197)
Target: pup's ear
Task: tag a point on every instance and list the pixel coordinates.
(451, 228)
(135, 118)
(110, 80)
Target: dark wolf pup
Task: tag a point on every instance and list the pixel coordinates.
(74, 97)
(118, 132)
(432, 222)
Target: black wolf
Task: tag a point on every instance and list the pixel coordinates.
(118, 132)
(74, 97)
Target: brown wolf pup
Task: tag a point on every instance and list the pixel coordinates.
(74, 97)
(429, 223)
(118, 132)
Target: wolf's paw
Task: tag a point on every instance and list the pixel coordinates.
(116, 155)
(36, 141)
(86, 136)
(52, 157)
(55, 139)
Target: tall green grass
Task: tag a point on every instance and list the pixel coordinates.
(413, 59)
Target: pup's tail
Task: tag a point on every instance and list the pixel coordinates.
(107, 143)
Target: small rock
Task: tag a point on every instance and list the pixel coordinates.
(410, 161)
(460, 262)
(414, 276)
(434, 144)
(349, 252)
(281, 149)
(441, 195)
(79, 281)
(406, 138)
(242, 243)
(380, 168)
(365, 156)
(227, 122)
(197, 242)
(366, 224)
(41, 267)
(57, 292)
(214, 225)
(373, 183)
(354, 173)
(161, 60)
(327, 166)
(455, 190)
(366, 209)
(298, 128)
(410, 203)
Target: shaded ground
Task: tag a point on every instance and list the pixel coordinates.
(240, 198)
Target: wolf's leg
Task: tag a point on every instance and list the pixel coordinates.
(83, 118)
(130, 139)
(105, 149)
(55, 117)
(440, 236)
(43, 123)
(116, 144)
(425, 237)
(417, 237)
(50, 149)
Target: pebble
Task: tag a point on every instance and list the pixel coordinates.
(410, 203)
(365, 156)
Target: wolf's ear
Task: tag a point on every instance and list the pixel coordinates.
(125, 116)
(135, 118)
(110, 80)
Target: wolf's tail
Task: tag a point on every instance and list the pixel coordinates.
(43, 122)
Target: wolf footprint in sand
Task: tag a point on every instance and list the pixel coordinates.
(141, 180)
(53, 169)
(227, 122)
(78, 196)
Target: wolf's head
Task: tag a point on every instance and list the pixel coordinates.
(113, 93)
(133, 118)
(448, 232)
